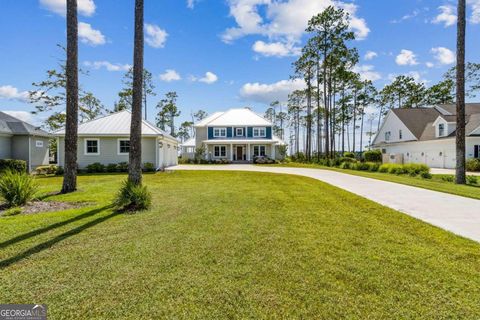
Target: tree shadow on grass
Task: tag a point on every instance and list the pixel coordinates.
(47, 244)
(37, 232)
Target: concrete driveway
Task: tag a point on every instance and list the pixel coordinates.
(457, 214)
(450, 171)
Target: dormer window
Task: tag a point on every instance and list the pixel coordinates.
(441, 129)
(387, 135)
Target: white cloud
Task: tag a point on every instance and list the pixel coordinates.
(266, 93)
(85, 7)
(447, 16)
(156, 37)
(107, 65)
(284, 21)
(443, 55)
(277, 49)
(430, 64)
(370, 55)
(209, 78)
(475, 17)
(406, 58)
(417, 76)
(407, 17)
(367, 72)
(90, 36)
(170, 75)
(23, 115)
(9, 92)
(191, 3)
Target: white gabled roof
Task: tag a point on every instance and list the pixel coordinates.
(208, 119)
(234, 117)
(115, 124)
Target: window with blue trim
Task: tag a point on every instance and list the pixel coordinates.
(259, 132)
(219, 132)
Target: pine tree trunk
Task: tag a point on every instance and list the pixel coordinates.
(460, 131)
(135, 155)
(354, 118)
(325, 102)
(361, 131)
(319, 123)
(309, 117)
(71, 128)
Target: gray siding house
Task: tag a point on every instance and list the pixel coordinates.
(106, 140)
(236, 135)
(23, 141)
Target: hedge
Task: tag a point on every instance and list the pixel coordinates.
(373, 156)
(19, 166)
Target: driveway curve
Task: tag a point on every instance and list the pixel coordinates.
(457, 214)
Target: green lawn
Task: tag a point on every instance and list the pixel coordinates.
(235, 245)
(436, 183)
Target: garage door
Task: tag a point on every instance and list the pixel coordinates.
(434, 159)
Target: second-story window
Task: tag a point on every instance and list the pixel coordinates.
(219, 132)
(259, 132)
(239, 132)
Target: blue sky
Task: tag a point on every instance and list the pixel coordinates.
(221, 53)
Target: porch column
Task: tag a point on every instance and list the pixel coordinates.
(273, 151)
(231, 152)
(248, 152)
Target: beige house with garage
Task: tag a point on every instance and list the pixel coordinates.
(106, 140)
(427, 135)
(23, 141)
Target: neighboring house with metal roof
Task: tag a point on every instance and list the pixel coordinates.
(427, 135)
(236, 135)
(23, 141)
(106, 140)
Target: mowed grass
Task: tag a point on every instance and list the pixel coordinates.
(435, 184)
(235, 245)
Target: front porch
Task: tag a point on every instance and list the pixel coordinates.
(239, 152)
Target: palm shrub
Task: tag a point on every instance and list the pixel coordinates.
(414, 169)
(473, 165)
(132, 197)
(472, 180)
(349, 155)
(346, 165)
(17, 188)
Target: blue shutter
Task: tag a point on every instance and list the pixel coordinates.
(249, 132)
(229, 132)
(210, 133)
(476, 151)
(269, 133)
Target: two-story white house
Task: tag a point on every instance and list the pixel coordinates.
(237, 135)
(427, 135)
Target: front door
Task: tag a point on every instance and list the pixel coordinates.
(239, 153)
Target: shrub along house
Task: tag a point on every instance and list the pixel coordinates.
(106, 140)
(236, 135)
(427, 135)
(22, 141)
